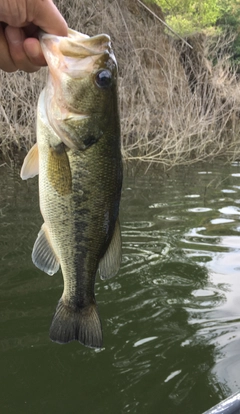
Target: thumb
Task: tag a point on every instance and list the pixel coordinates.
(49, 19)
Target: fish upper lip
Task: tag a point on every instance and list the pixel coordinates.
(77, 43)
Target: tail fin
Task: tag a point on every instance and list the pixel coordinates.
(82, 325)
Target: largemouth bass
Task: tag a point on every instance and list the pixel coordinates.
(78, 159)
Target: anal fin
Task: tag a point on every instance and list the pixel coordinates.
(111, 261)
(43, 255)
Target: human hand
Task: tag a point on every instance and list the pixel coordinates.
(20, 21)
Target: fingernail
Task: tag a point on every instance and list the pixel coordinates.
(14, 35)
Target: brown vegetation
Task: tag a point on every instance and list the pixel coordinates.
(177, 105)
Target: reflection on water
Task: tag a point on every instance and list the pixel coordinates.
(171, 318)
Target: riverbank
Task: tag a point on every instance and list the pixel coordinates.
(178, 105)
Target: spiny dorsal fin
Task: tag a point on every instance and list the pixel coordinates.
(30, 166)
(110, 263)
(43, 255)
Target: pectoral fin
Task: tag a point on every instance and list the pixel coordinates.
(110, 263)
(43, 255)
(30, 166)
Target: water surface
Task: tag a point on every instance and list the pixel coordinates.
(171, 317)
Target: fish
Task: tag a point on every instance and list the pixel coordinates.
(77, 157)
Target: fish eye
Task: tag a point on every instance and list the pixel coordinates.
(103, 78)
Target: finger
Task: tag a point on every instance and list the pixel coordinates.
(34, 52)
(49, 19)
(6, 62)
(15, 38)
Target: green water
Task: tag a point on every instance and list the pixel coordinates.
(171, 317)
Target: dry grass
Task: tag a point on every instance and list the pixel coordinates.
(18, 99)
(176, 107)
(174, 118)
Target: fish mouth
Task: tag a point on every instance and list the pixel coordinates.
(80, 45)
(77, 44)
(77, 54)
